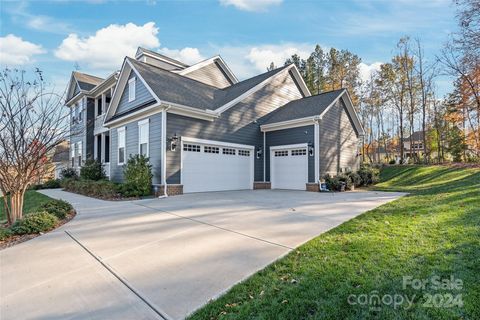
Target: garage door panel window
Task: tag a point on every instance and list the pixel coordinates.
(229, 151)
(191, 147)
(299, 152)
(143, 137)
(245, 153)
(208, 149)
(281, 153)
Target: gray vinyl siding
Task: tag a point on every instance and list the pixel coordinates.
(78, 132)
(338, 141)
(75, 91)
(90, 126)
(131, 146)
(236, 125)
(304, 134)
(210, 74)
(158, 63)
(142, 95)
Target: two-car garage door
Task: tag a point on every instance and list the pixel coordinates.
(216, 166)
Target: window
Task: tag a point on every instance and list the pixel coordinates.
(99, 106)
(208, 149)
(76, 109)
(191, 147)
(143, 137)
(283, 153)
(299, 152)
(228, 151)
(80, 110)
(244, 153)
(121, 145)
(79, 153)
(72, 152)
(131, 90)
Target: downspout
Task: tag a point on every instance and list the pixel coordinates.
(264, 157)
(316, 149)
(164, 153)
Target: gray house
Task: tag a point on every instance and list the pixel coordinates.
(203, 130)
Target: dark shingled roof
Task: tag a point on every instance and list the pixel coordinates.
(416, 136)
(304, 107)
(175, 88)
(86, 81)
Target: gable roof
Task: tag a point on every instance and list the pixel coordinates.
(142, 51)
(216, 60)
(305, 107)
(86, 82)
(416, 136)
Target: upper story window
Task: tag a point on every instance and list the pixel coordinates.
(131, 90)
(143, 137)
(99, 106)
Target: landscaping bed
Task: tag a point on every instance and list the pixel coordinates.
(432, 232)
(41, 214)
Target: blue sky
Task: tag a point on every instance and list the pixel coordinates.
(95, 35)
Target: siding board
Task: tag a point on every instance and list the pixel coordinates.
(142, 95)
(210, 74)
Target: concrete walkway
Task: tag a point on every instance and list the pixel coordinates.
(162, 258)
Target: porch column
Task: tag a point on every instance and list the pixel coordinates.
(102, 151)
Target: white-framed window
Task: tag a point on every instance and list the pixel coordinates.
(191, 147)
(299, 152)
(228, 151)
(131, 89)
(283, 153)
(245, 153)
(208, 149)
(143, 137)
(72, 153)
(79, 153)
(121, 145)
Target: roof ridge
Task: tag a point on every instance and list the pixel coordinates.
(258, 75)
(86, 74)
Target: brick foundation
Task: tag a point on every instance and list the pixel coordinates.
(257, 185)
(172, 190)
(312, 187)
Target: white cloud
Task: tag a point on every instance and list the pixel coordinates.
(16, 51)
(366, 70)
(186, 55)
(262, 56)
(251, 5)
(106, 49)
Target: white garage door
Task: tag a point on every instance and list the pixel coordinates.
(216, 166)
(289, 167)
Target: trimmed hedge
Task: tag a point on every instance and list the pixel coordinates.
(92, 170)
(35, 223)
(103, 189)
(58, 208)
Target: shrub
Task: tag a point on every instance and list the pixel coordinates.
(333, 184)
(58, 208)
(51, 184)
(35, 223)
(4, 233)
(103, 189)
(138, 177)
(355, 178)
(391, 161)
(369, 175)
(92, 170)
(69, 173)
(346, 180)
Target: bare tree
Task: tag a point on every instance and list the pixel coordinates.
(33, 122)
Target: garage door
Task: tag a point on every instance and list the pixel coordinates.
(216, 166)
(289, 167)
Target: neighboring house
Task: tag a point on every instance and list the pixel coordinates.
(203, 130)
(416, 147)
(60, 158)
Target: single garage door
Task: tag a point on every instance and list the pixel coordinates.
(216, 166)
(289, 167)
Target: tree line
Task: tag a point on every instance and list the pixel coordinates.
(401, 97)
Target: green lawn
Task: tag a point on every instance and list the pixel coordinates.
(32, 201)
(435, 231)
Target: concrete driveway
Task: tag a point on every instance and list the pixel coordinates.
(162, 258)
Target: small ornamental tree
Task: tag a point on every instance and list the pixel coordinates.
(138, 176)
(33, 122)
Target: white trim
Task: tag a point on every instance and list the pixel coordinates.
(121, 129)
(285, 147)
(208, 61)
(264, 156)
(289, 146)
(169, 61)
(163, 163)
(301, 82)
(145, 112)
(289, 124)
(132, 90)
(217, 143)
(190, 112)
(141, 124)
(316, 151)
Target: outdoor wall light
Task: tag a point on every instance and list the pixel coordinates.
(310, 149)
(173, 142)
(259, 152)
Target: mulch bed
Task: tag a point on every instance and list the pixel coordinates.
(16, 239)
